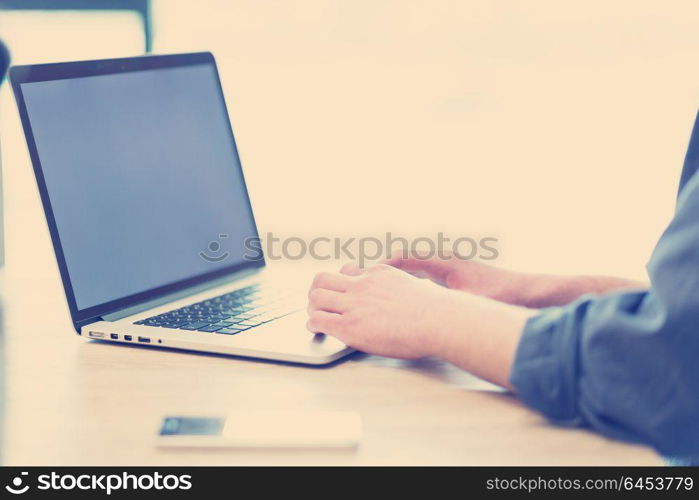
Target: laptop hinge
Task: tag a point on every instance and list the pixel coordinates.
(135, 309)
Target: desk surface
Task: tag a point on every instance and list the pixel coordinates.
(72, 401)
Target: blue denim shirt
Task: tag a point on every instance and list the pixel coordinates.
(627, 363)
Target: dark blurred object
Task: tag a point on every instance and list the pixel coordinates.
(4, 64)
(140, 7)
(4, 60)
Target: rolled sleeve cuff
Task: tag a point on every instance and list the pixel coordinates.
(546, 369)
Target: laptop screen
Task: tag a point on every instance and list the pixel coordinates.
(143, 178)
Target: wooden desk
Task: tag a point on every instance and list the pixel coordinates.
(77, 402)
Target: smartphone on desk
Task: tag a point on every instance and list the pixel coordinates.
(253, 429)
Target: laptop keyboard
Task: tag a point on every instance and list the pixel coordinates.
(230, 313)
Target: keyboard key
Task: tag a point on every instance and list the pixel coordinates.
(223, 324)
(265, 318)
(196, 325)
(175, 324)
(210, 328)
(249, 323)
(232, 312)
(229, 331)
(217, 317)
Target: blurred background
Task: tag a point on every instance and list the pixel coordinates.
(558, 128)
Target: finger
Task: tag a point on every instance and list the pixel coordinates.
(330, 281)
(323, 322)
(351, 269)
(434, 268)
(320, 299)
(397, 258)
(379, 267)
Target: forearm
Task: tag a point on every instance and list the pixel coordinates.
(481, 335)
(545, 290)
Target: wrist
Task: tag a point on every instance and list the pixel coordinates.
(447, 322)
(525, 289)
(543, 290)
(546, 290)
(480, 335)
(456, 316)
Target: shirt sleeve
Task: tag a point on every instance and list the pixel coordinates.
(627, 364)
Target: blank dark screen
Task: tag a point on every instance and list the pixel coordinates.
(143, 178)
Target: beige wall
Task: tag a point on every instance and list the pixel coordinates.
(558, 127)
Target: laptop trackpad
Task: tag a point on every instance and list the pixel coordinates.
(288, 335)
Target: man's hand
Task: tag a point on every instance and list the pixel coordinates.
(382, 310)
(388, 312)
(469, 276)
(510, 287)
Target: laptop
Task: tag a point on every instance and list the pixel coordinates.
(148, 210)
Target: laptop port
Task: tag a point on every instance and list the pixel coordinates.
(96, 335)
(128, 338)
(113, 336)
(145, 340)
